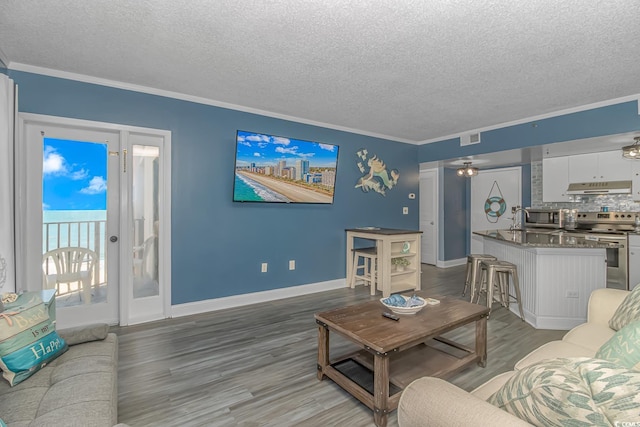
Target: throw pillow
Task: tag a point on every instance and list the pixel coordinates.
(623, 347)
(82, 334)
(28, 339)
(571, 392)
(628, 311)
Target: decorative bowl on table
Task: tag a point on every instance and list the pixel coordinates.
(401, 304)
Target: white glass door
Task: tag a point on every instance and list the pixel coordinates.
(146, 297)
(73, 193)
(95, 218)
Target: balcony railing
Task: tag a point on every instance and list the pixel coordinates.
(83, 234)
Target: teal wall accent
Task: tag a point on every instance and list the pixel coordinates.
(218, 245)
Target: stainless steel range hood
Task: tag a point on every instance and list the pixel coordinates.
(605, 187)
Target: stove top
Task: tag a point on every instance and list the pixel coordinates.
(607, 217)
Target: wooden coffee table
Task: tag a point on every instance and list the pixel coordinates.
(399, 351)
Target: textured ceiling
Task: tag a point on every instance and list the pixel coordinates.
(409, 70)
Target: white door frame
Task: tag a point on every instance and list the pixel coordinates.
(25, 250)
(434, 244)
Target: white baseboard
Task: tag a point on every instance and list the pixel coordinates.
(205, 306)
(451, 263)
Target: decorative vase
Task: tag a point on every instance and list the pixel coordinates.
(399, 267)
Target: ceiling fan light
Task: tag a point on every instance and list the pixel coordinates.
(467, 170)
(632, 151)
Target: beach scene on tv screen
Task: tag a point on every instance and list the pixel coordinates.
(286, 170)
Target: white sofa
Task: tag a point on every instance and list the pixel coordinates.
(434, 402)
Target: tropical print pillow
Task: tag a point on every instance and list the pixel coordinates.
(572, 392)
(623, 347)
(628, 311)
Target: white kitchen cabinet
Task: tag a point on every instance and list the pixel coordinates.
(597, 167)
(613, 167)
(555, 179)
(583, 168)
(634, 260)
(635, 179)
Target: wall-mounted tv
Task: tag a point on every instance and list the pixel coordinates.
(277, 169)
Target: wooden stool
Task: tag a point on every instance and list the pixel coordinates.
(369, 267)
(473, 273)
(495, 274)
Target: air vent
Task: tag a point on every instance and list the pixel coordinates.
(469, 139)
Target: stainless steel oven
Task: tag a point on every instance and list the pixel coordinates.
(610, 227)
(617, 259)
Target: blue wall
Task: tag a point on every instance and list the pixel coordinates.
(455, 215)
(618, 118)
(218, 245)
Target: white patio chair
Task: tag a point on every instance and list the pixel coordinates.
(71, 265)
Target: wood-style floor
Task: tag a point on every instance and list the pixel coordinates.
(256, 365)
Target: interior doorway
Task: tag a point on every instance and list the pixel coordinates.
(429, 215)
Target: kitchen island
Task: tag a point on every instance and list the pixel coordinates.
(557, 273)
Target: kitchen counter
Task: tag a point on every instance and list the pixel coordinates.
(544, 239)
(557, 272)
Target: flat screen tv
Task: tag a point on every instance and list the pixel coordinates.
(276, 169)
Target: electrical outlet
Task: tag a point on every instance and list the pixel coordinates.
(264, 267)
(292, 264)
(572, 294)
(405, 210)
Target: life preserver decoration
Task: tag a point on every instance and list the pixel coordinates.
(495, 206)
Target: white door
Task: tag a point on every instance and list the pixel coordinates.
(429, 215)
(149, 175)
(98, 196)
(493, 193)
(72, 217)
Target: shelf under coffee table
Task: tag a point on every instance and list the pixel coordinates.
(399, 352)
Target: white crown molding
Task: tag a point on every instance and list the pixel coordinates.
(205, 101)
(540, 117)
(191, 98)
(232, 301)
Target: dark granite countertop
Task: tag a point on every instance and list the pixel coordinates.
(544, 239)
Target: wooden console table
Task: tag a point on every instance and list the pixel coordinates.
(390, 243)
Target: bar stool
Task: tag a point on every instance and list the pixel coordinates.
(473, 273)
(495, 274)
(369, 267)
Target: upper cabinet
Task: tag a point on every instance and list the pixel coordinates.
(635, 180)
(596, 167)
(555, 179)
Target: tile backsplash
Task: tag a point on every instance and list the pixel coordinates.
(615, 202)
